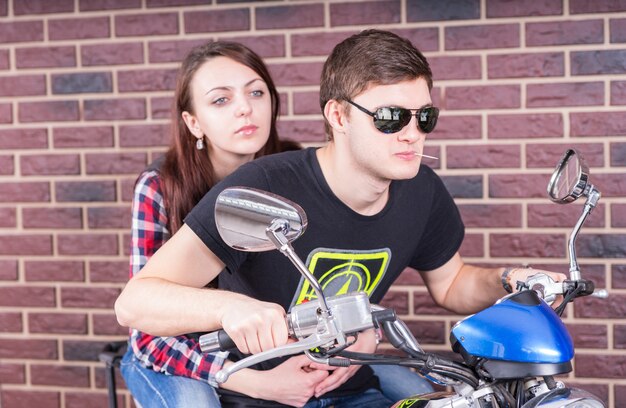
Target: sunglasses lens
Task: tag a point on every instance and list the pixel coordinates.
(391, 120)
(427, 119)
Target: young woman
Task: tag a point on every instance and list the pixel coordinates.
(225, 113)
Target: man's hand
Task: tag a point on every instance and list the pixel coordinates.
(255, 326)
(365, 344)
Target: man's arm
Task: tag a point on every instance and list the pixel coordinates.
(464, 289)
(168, 298)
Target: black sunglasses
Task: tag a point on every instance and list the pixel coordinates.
(392, 119)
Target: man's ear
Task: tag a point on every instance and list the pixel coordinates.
(192, 124)
(335, 113)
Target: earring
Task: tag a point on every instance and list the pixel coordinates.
(199, 144)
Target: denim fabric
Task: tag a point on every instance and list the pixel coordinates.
(156, 390)
(399, 382)
(371, 398)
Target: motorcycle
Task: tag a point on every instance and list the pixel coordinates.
(510, 351)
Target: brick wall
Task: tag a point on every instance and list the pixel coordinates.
(85, 87)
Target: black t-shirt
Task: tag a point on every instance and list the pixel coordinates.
(419, 227)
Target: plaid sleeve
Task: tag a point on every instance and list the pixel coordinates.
(169, 355)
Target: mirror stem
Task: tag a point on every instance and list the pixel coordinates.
(275, 233)
(592, 200)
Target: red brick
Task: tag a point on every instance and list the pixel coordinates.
(30, 398)
(146, 80)
(112, 109)
(109, 271)
(45, 57)
(172, 3)
(491, 215)
(598, 6)
(7, 166)
(23, 139)
(90, 399)
(589, 335)
(86, 297)
(266, 46)
(85, 191)
(161, 107)
(526, 65)
(67, 376)
(5, 59)
(82, 136)
(48, 111)
(27, 296)
(598, 62)
(618, 275)
(527, 245)
(139, 25)
(565, 94)
(10, 322)
(482, 37)
(612, 185)
(409, 276)
(6, 113)
(306, 103)
(428, 332)
(600, 366)
(597, 123)
(82, 350)
(425, 39)
(106, 324)
(112, 54)
(4, 10)
(58, 323)
(619, 336)
(397, 300)
(532, 125)
(618, 92)
(115, 163)
(302, 130)
(217, 20)
(22, 85)
(87, 244)
(467, 186)
(549, 154)
(21, 31)
(618, 215)
(565, 216)
(50, 164)
(424, 305)
(43, 7)
(504, 8)
(602, 245)
(126, 244)
(144, 135)
(318, 43)
(8, 269)
(489, 156)
(12, 373)
(618, 30)
(171, 50)
(24, 192)
(457, 127)
(483, 97)
(8, 218)
(365, 12)
(455, 67)
(109, 217)
(565, 32)
(57, 218)
(28, 348)
(78, 28)
(434, 10)
(518, 185)
(54, 271)
(299, 16)
(26, 245)
(93, 5)
(299, 73)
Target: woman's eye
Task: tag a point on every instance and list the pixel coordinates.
(257, 93)
(220, 101)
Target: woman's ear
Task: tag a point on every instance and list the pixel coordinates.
(335, 114)
(192, 124)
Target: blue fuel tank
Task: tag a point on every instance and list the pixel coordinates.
(520, 336)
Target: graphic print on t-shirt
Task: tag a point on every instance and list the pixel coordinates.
(343, 271)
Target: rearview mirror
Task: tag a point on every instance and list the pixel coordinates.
(243, 215)
(570, 178)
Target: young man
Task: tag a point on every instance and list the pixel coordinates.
(368, 199)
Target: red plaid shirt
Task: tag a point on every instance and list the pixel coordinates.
(170, 355)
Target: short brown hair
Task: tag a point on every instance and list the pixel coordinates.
(371, 57)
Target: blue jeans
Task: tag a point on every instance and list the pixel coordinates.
(151, 389)
(399, 382)
(371, 398)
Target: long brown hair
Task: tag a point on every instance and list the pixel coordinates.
(187, 173)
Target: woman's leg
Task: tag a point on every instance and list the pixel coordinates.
(398, 383)
(152, 389)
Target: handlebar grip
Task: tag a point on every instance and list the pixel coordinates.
(216, 341)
